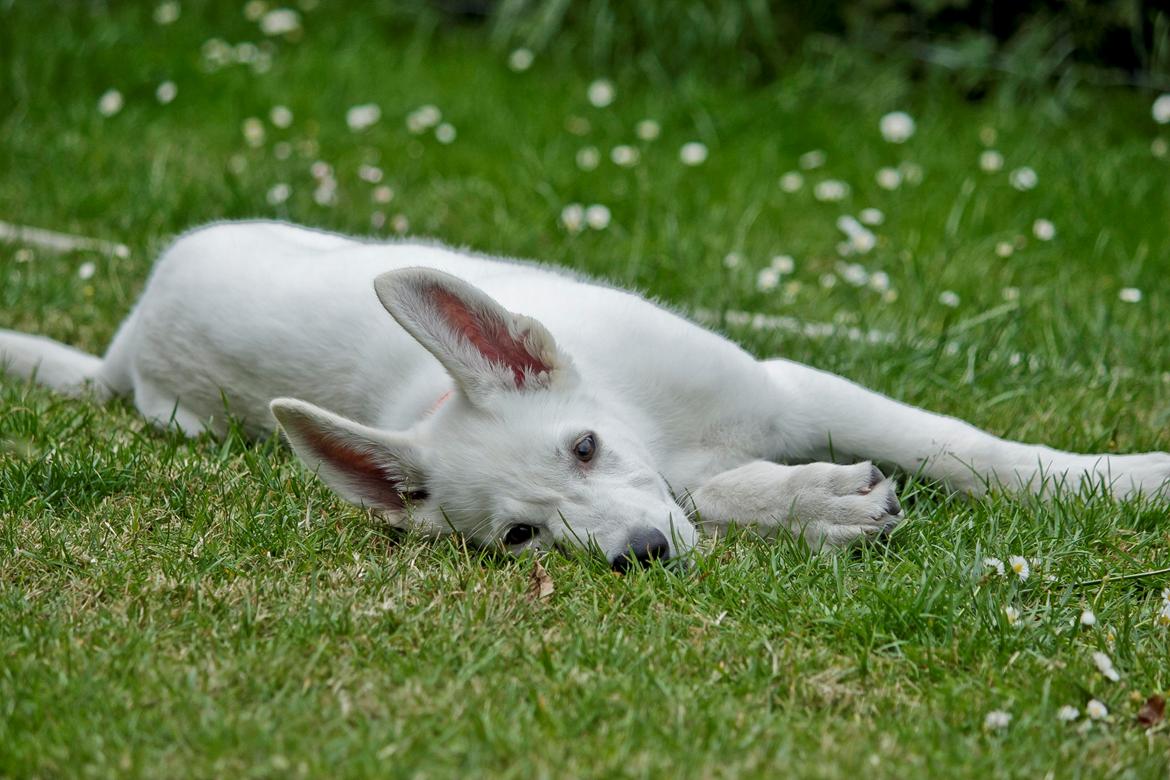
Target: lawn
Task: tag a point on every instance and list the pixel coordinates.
(174, 608)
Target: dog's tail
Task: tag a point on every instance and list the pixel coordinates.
(67, 370)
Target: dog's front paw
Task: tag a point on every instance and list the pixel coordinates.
(822, 503)
(837, 506)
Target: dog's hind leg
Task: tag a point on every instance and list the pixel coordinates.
(830, 417)
(66, 370)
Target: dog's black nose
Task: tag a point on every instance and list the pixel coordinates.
(644, 548)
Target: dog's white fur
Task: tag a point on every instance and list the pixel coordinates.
(455, 414)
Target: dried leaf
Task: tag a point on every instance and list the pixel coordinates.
(1152, 711)
(540, 585)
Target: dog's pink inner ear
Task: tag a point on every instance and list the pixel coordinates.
(489, 335)
(370, 478)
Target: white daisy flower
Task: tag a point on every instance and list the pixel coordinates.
(1163, 618)
(166, 92)
(280, 21)
(254, 9)
(1105, 666)
(326, 192)
(911, 172)
(1088, 619)
(110, 102)
(573, 217)
(871, 216)
(1067, 714)
(647, 130)
(791, 181)
(1096, 709)
(991, 161)
(879, 281)
(246, 52)
(597, 216)
(216, 53)
(280, 116)
(830, 190)
(624, 155)
(733, 260)
(86, 270)
(520, 59)
(400, 224)
(853, 273)
(767, 279)
(1044, 230)
(1012, 614)
(1023, 179)
(601, 93)
(1019, 565)
(382, 194)
(1130, 294)
(994, 563)
(445, 133)
(321, 170)
(828, 281)
(167, 12)
(279, 193)
(813, 159)
(888, 178)
(897, 127)
(253, 130)
(783, 264)
(363, 116)
(693, 153)
(423, 118)
(378, 220)
(1005, 249)
(588, 158)
(861, 240)
(997, 720)
(1161, 109)
(948, 298)
(370, 173)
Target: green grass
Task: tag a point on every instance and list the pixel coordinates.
(203, 608)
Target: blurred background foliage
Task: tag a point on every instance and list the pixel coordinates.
(979, 45)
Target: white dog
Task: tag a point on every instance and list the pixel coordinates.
(521, 405)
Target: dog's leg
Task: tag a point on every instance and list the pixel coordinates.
(823, 503)
(67, 370)
(826, 415)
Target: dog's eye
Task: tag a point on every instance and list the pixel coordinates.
(519, 534)
(585, 447)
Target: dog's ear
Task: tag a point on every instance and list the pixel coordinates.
(484, 347)
(365, 466)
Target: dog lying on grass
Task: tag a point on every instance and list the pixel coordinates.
(404, 377)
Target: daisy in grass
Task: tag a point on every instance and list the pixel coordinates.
(1105, 666)
(997, 720)
(1096, 709)
(1020, 566)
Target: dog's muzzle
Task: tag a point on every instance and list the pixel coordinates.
(643, 548)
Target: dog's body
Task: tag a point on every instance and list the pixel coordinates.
(585, 429)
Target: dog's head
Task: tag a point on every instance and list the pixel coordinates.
(523, 454)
